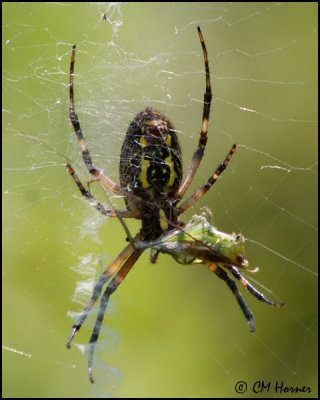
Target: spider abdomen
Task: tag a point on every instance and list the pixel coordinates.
(150, 161)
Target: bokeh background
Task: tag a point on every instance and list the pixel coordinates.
(171, 330)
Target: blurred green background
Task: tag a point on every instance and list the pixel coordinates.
(171, 330)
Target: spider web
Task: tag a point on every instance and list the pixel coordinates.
(170, 330)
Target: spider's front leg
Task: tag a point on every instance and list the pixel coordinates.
(104, 277)
(260, 296)
(221, 273)
(112, 287)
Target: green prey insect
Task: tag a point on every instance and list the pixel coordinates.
(199, 242)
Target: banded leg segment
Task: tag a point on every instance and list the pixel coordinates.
(236, 273)
(96, 204)
(93, 170)
(198, 154)
(76, 126)
(74, 117)
(205, 187)
(112, 286)
(222, 274)
(104, 277)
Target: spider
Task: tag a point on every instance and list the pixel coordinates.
(152, 187)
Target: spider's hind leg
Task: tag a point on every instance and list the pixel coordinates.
(198, 154)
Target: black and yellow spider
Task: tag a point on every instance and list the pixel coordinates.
(152, 187)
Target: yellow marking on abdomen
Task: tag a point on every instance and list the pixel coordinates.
(143, 141)
(168, 160)
(145, 164)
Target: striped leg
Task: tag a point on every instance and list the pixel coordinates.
(236, 273)
(221, 273)
(96, 204)
(104, 277)
(93, 170)
(211, 181)
(76, 126)
(112, 286)
(198, 154)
